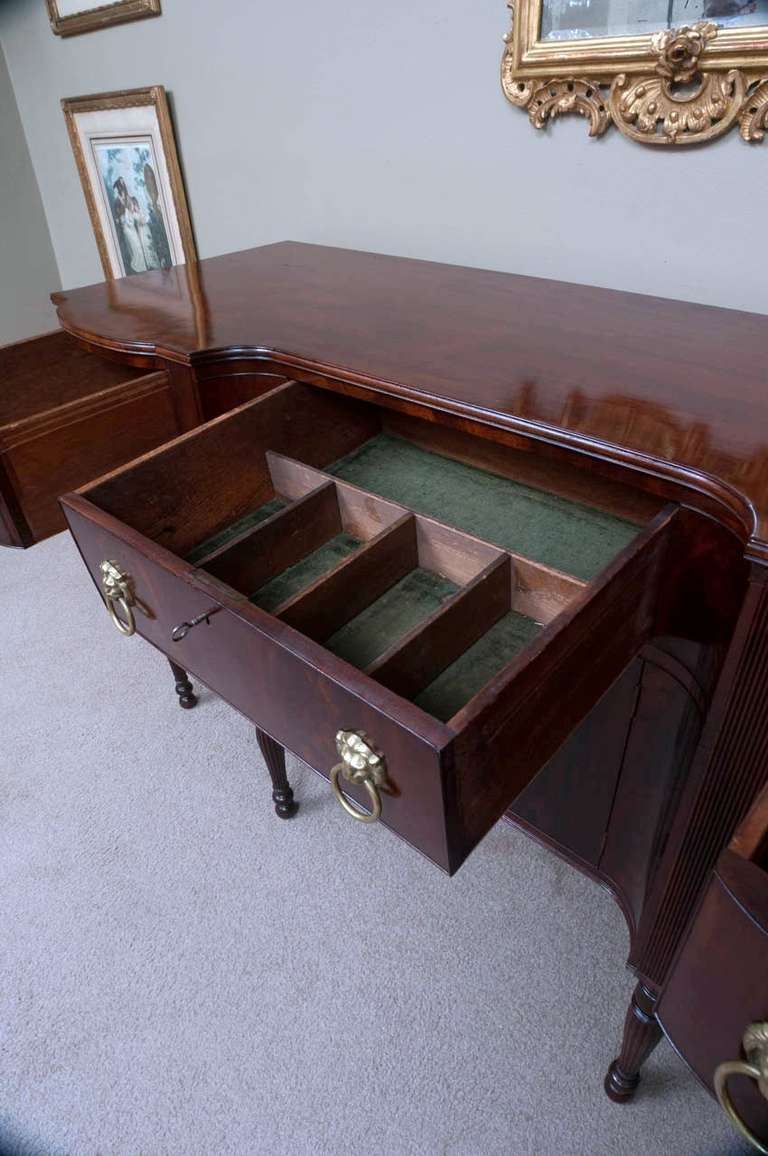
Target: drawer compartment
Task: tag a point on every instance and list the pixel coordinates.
(542, 526)
(67, 416)
(340, 593)
(406, 605)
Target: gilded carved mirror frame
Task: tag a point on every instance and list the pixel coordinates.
(679, 86)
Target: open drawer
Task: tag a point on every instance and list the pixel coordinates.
(327, 565)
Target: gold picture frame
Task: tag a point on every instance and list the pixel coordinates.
(676, 86)
(89, 19)
(125, 152)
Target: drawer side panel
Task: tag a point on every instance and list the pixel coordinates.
(523, 722)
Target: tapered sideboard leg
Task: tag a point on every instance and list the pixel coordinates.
(641, 1035)
(274, 757)
(187, 698)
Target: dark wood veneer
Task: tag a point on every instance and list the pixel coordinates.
(67, 416)
(718, 984)
(670, 391)
(628, 736)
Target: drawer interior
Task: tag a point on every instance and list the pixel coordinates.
(550, 529)
(427, 558)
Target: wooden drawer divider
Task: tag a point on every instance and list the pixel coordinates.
(413, 662)
(394, 541)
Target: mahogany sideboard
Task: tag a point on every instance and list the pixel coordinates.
(473, 546)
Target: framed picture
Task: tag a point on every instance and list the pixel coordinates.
(70, 17)
(126, 157)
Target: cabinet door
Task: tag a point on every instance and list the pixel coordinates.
(719, 983)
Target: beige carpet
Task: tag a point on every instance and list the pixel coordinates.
(183, 973)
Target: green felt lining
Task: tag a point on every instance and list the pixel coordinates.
(247, 522)
(303, 573)
(564, 534)
(556, 531)
(457, 684)
(402, 607)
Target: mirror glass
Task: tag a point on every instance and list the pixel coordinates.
(585, 19)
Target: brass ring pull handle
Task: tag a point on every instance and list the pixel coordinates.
(361, 764)
(116, 588)
(755, 1045)
(350, 808)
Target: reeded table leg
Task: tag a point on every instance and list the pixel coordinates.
(183, 686)
(274, 757)
(641, 1035)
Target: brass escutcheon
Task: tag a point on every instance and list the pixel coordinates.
(116, 588)
(755, 1044)
(360, 763)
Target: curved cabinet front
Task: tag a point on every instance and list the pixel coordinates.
(719, 983)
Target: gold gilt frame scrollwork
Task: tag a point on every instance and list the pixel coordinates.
(680, 86)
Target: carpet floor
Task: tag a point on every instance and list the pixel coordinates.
(182, 973)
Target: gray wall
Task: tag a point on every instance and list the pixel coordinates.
(28, 270)
(382, 126)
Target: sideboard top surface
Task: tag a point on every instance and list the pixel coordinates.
(676, 388)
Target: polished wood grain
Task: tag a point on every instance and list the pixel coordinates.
(728, 770)
(605, 799)
(46, 372)
(67, 416)
(204, 481)
(673, 392)
(718, 984)
(642, 1033)
(282, 792)
(628, 736)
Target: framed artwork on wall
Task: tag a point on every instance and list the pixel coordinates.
(642, 67)
(70, 17)
(126, 156)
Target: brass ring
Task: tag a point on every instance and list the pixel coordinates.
(350, 808)
(722, 1074)
(127, 627)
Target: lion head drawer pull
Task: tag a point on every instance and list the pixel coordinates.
(755, 1045)
(361, 764)
(117, 591)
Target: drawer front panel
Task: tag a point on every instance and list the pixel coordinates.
(60, 451)
(276, 678)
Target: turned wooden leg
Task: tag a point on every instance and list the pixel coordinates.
(183, 686)
(274, 757)
(641, 1035)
